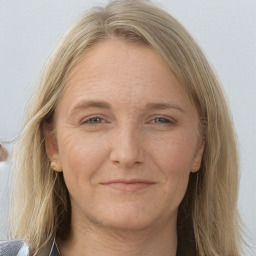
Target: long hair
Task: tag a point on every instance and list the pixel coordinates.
(40, 201)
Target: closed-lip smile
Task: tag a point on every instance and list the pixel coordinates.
(132, 185)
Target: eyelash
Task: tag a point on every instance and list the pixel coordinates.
(100, 120)
(164, 120)
(90, 119)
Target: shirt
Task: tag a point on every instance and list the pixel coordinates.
(20, 248)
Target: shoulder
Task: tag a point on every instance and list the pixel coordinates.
(14, 248)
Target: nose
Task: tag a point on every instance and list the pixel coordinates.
(127, 148)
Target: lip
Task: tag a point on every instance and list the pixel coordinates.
(128, 185)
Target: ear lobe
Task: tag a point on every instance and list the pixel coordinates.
(51, 147)
(196, 164)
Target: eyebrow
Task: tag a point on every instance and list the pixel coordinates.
(105, 105)
(91, 104)
(162, 106)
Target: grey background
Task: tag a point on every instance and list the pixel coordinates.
(225, 29)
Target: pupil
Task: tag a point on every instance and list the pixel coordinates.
(161, 120)
(95, 120)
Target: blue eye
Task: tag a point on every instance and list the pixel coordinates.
(161, 120)
(94, 120)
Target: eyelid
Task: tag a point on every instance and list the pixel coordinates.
(88, 118)
(168, 118)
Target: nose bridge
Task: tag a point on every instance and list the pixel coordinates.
(127, 147)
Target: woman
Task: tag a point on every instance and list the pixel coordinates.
(128, 146)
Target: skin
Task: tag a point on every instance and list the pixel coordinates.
(3, 154)
(126, 140)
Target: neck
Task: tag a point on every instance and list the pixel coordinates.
(93, 240)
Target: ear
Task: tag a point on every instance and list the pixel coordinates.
(51, 147)
(3, 153)
(196, 164)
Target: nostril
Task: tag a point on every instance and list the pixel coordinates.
(128, 159)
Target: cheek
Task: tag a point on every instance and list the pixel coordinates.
(176, 155)
(81, 157)
(174, 159)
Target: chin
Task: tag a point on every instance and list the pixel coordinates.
(127, 225)
(126, 219)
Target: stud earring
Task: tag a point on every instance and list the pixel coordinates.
(53, 165)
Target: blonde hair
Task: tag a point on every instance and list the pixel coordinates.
(40, 205)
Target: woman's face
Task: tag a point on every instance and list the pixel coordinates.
(127, 138)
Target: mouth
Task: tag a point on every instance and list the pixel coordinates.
(128, 185)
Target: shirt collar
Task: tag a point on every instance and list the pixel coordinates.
(54, 249)
(51, 249)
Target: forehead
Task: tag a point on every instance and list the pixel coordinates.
(115, 69)
(122, 56)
